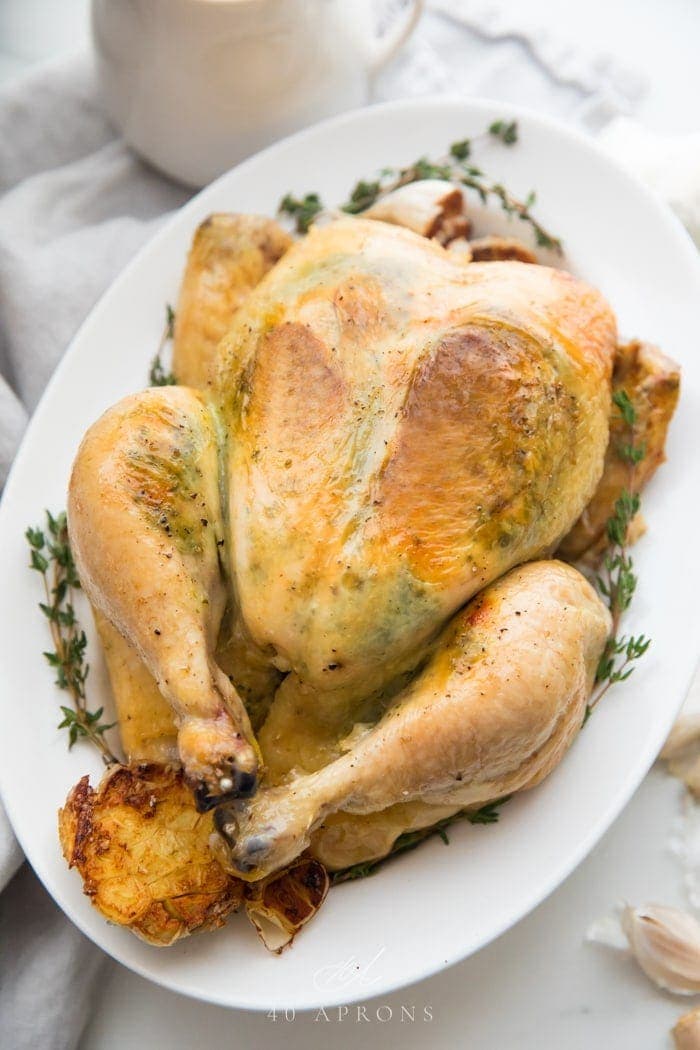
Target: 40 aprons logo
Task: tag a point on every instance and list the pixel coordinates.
(352, 973)
(361, 1012)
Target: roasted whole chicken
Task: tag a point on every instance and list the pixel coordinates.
(323, 565)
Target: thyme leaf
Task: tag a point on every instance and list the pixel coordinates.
(487, 814)
(506, 131)
(302, 209)
(50, 555)
(461, 150)
(362, 197)
(158, 374)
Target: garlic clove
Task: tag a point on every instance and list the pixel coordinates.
(666, 944)
(682, 751)
(688, 772)
(431, 207)
(684, 737)
(686, 1033)
(281, 904)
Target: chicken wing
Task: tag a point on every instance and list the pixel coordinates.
(230, 255)
(652, 382)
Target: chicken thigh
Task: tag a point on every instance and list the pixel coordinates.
(495, 706)
(387, 432)
(147, 532)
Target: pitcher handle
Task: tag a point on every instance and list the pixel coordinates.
(387, 46)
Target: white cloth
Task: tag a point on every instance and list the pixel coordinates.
(669, 164)
(75, 204)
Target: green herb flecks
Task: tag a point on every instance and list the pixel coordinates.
(51, 557)
(158, 374)
(461, 150)
(303, 210)
(453, 167)
(617, 580)
(487, 814)
(505, 130)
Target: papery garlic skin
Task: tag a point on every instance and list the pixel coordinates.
(431, 207)
(666, 944)
(608, 931)
(686, 1033)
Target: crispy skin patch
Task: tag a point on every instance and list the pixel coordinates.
(652, 382)
(491, 400)
(296, 385)
(230, 255)
(163, 467)
(362, 312)
(298, 418)
(142, 850)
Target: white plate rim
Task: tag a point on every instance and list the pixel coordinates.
(635, 774)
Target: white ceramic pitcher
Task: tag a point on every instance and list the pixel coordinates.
(197, 85)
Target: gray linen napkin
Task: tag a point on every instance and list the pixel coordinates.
(75, 204)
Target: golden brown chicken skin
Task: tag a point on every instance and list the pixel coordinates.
(230, 255)
(405, 429)
(389, 431)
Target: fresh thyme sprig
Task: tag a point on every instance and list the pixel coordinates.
(487, 814)
(453, 167)
(617, 580)
(51, 557)
(158, 375)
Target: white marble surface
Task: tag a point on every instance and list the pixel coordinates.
(539, 987)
